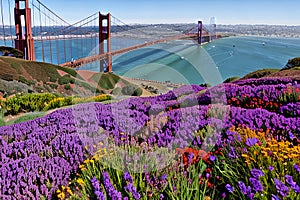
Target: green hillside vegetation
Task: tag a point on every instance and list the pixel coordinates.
(22, 76)
(293, 64)
(117, 85)
(260, 73)
(38, 77)
(9, 51)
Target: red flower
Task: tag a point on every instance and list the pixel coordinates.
(198, 154)
(210, 185)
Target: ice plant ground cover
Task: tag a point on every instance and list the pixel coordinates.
(232, 141)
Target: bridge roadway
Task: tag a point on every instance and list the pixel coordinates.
(94, 58)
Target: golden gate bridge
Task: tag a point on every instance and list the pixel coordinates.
(35, 29)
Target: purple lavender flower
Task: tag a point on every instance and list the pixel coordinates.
(289, 180)
(229, 188)
(271, 168)
(164, 177)
(251, 141)
(129, 187)
(212, 158)
(97, 190)
(274, 197)
(256, 173)
(257, 186)
(161, 197)
(292, 183)
(243, 187)
(282, 189)
(190, 157)
(232, 153)
(207, 175)
(297, 168)
(112, 192)
(127, 177)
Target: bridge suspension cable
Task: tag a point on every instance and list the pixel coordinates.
(58, 41)
(2, 19)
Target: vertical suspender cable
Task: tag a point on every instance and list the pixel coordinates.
(43, 55)
(95, 45)
(65, 52)
(33, 21)
(50, 40)
(3, 26)
(10, 24)
(57, 48)
(81, 46)
(46, 32)
(70, 41)
(91, 35)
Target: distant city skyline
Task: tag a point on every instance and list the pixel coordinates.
(273, 12)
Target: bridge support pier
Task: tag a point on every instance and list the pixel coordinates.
(104, 34)
(24, 43)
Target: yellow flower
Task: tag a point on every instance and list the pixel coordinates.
(61, 195)
(69, 191)
(92, 161)
(86, 161)
(265, 154)
(81, 166)
(80, 182)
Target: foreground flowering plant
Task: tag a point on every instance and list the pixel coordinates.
(193, 142)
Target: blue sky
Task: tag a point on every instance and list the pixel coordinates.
(182, 11)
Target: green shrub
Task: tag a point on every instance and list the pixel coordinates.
(66, 79)
(53, 79)
(67, 87)
(9, 50)
(22, 79)
(27, 102)
(53, 86)
(132, 90)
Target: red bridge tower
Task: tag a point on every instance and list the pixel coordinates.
(200, 32)
(104, 34)
(24, 42)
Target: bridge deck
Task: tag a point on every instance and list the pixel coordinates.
(94, 58)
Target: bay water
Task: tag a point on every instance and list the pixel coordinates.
(183, 61)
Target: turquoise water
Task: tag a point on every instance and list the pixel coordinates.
(183, 61)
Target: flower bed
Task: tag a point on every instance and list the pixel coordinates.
(218, 142)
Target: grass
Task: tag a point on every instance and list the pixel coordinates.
(23, 118)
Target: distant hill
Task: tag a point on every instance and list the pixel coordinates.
(291, 70)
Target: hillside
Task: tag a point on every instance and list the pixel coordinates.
(21, 76)
(291, 70)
